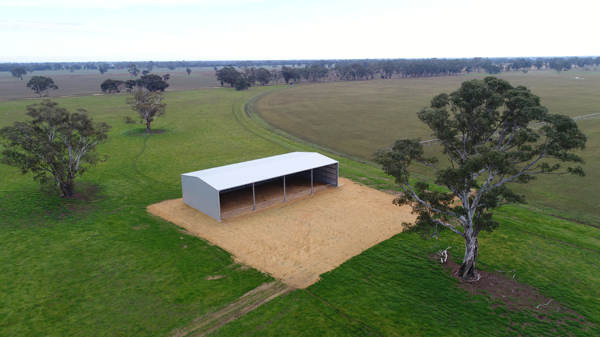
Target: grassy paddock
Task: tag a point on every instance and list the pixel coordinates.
(393, 289)
(103, 266)
(357, 118)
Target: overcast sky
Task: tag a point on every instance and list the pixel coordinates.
(160, 30)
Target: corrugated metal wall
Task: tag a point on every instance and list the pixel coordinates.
(326, 174)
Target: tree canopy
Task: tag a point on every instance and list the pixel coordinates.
(152, 83)
(18, 72)
(55, 145)
(559, 64)
(41, 85)
(148, 105)
(227, 75)
(491, 68)
(241, 84)
(133, 70)
(109, 86)
(263, 76)
(486, 132)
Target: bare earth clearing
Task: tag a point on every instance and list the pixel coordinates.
(298, 241)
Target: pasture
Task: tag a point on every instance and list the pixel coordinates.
(358, 118)
(87, 81)
(102, 265)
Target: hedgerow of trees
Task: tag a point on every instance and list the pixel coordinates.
(150, 82)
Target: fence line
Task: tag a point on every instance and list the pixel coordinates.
(275, 201)
(532, 126)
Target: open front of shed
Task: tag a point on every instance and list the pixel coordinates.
(222, 191)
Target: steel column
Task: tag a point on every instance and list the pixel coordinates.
(283, 188)
(311, 181)
(253, 198)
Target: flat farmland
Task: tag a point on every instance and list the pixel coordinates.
(103, 266)
(357, 118)
(87, 81)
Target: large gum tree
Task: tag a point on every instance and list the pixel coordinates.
(55, 145)
(493, 135)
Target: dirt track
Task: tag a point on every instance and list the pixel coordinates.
(298, 241)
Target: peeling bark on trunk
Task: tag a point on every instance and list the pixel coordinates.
(467, 269)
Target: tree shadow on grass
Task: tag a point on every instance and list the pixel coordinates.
(522, 304)
(32, 208)
(141, 132)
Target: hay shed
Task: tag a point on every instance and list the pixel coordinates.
(203, 190)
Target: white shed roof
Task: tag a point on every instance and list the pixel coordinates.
(229, 176)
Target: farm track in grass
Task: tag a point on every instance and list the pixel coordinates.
(248, 302)
(355, 119)
(116, 270)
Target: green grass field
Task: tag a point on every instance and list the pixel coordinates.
(358, 118)
(87, 81)
(104, 267)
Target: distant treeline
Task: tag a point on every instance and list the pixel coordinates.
(411, 67)
(353, 70)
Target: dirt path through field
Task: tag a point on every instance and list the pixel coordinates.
(298, 241)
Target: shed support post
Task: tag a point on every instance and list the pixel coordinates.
(311, 181)
(253, 199)
(283, 188)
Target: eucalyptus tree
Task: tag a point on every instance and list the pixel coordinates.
(263, 76)
(55, 145)
(148, 105)
(152, 83)
(110, 85)
(133, 70)
(249, 74)
(41, 85)
(227, 75)
(559, 64)
(18, 72)
(276, 75)
(539, 63)
(287, 73)
(485, 130)
(241, 84)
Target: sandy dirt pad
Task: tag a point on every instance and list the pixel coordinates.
(298, 241)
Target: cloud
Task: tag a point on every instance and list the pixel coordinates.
(115, 4)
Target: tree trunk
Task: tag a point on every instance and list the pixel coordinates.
(68, 187)
(467, 269)
(147, 127)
